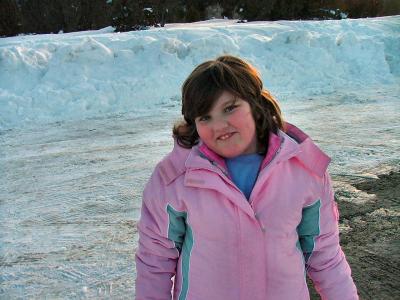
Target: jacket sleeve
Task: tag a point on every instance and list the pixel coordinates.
(319, 238)
(157, 254)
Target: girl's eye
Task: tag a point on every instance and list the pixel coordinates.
(230, 108)
(204, 118)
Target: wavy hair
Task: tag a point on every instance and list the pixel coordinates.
(209, 80)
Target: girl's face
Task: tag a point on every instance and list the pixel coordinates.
(228, 128)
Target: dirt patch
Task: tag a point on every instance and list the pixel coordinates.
(370, 231)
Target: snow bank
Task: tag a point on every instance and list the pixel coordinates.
(46, 78)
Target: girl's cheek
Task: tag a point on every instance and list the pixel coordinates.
(202, 131)
(236, 116)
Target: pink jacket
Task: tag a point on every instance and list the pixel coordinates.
(201, 239)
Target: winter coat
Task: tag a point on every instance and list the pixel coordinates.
(199, 237)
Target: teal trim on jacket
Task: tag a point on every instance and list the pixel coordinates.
(309, 228)
(180, 232)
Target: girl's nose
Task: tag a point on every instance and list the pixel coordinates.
(220, 123)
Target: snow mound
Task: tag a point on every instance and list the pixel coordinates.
(47, 78)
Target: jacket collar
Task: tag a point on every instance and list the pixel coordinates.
(282, 146)
(173, 165)
(309, 154)
(274, 144)
(293, 143)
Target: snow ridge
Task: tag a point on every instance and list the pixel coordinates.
(47, 78)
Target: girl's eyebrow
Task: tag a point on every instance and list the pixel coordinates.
(232, 101)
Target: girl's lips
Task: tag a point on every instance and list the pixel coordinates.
(225, 136)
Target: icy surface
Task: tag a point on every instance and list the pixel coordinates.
(85, 116)
(70, 200)
(72, 190)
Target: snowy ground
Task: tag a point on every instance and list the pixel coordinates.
(73, 161)
(70, 205)
(72, 189)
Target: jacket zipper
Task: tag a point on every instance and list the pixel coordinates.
(225, 176)
(263, 170)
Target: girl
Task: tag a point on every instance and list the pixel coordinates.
(242, 208)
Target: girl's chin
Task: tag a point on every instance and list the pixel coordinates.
(233, 152)
(228, 153)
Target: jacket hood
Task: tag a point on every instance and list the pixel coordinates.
(293, 143)
(309, 154)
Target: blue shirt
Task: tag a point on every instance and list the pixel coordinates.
(243, 170)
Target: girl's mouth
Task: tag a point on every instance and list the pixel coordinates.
(225, 136)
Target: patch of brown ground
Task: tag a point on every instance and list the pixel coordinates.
(370, 231)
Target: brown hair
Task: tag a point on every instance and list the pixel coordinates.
(209, 80)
